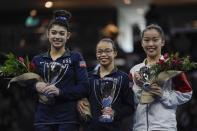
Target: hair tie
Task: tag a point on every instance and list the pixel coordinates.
(61, 18)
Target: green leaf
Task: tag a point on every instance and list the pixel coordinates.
(12, 66)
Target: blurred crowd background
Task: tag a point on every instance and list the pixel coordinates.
(22, 31)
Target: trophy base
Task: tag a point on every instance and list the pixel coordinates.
(106, 119)
(146, 86)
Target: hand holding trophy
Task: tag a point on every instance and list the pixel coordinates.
(53, 73)
(107, 89)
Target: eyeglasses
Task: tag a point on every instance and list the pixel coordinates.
(106, 51)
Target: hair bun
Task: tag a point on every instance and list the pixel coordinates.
(62, 15)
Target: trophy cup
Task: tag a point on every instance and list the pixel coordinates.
(53, 73)
(145, 74)
(146, 97)
(107, 90)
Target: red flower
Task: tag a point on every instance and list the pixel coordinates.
(166, 56)
(21, 59)
(161, 61)
(173, 62)
(176, 62)
(32, 66)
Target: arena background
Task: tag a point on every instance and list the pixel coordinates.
(22, 31)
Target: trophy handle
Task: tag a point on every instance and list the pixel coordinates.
(44, 71)
(96, 90)
(118, 82)
(60, 74)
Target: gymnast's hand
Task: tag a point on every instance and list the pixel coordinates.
(83, 106)
(40, 86)
(51, 90)
(156, 90)
(138, 79)
(108, 111)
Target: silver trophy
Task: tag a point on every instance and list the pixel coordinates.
(53, 74)
(107, 92)
(146, 77)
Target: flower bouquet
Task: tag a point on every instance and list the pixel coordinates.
(165, 69)
(21, 71)
(18, 69)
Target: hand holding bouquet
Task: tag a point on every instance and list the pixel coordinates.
(165, 69)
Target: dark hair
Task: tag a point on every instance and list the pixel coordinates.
(156, 27)
(108, 40)
(60, 17)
